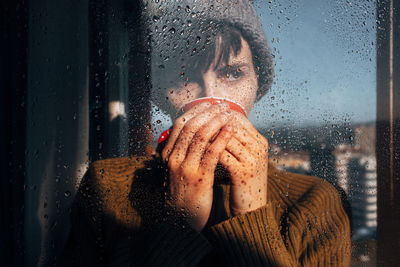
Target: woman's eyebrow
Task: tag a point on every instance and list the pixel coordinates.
(234, 66)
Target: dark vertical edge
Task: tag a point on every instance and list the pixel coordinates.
(139, 116)
(98, 54)
(396, 107)
(388, 132)
(14, 31)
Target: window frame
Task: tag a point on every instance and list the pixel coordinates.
(388, 131)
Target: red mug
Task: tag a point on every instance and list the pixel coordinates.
(213, 100)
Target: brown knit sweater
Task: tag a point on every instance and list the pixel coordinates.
(119, 218)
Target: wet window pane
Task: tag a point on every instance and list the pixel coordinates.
(258, 97)
(322, 106)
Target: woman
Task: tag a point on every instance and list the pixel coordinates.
(209, 196)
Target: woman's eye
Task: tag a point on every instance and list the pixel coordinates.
(233, 75)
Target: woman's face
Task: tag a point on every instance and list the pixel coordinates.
(236, 81)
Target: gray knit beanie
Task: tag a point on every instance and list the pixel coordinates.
(181, 28)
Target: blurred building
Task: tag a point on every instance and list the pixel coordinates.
(363, 194)
(365, 139)
(356, 172)
(294, 161)
(343, 153)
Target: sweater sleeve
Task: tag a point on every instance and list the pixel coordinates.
(161, 245)
(315, 231)
(118, 219)
(84, 246)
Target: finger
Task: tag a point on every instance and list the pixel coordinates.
(215, 150)
(242, 120)
(239, 117)
(179, 123)
(231, 164)
(191, 118)
(179, 151)
(242, 135)
(236, 148)
(245, 132)
(203, 137)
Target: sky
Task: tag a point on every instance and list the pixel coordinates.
(325, 63)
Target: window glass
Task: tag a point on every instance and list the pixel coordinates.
(321, 111)
(319, 115)
(109, 84)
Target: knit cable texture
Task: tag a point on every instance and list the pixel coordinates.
(119, 219)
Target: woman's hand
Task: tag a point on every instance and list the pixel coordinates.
(194, 148)
(246, 159)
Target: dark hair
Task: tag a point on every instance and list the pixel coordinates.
(217, 48)
(192, 59)
(225, 42)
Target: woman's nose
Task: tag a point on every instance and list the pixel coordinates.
(209, 86)
(209, 91)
